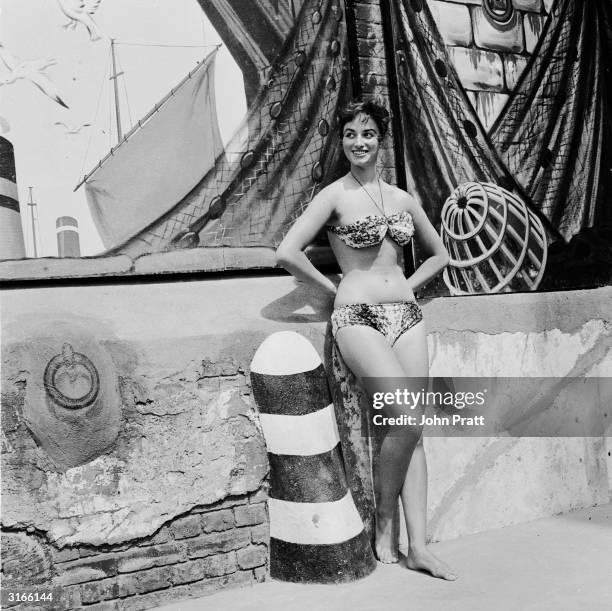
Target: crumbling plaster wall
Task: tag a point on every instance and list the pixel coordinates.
(187, 433)
(182, 350)
(134, 523)
(155, 491)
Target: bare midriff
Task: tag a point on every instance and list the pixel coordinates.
(370, 275)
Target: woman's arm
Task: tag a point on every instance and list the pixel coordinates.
(290, 253)
(432, 243)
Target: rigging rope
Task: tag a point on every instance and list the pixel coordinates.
(125, 91)
(142, 44)
(91, 132)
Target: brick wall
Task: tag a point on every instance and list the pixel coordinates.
(489, 57)
(211, 547)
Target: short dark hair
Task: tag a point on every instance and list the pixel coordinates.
(378, 113)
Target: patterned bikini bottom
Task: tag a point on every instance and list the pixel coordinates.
(390, 319)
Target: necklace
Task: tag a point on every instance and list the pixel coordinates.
(382, 203)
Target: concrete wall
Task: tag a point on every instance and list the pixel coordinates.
(500, 481)
(173, 505)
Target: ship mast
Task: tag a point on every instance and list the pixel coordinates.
(32, 205)
(114, 76)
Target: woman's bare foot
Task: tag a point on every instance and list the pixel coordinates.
(386, 540)
(424, 560)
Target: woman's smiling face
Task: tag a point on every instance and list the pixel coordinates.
(361, 141)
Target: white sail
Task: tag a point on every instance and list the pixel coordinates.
(159, 161)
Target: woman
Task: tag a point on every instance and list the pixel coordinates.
(376, 322)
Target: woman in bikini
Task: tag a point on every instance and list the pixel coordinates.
(376, 322)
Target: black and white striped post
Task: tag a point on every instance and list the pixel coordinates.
(316, 533)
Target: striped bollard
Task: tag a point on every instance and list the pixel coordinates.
(316, 533)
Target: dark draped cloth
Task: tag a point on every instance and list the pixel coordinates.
(547, 143)
(550, 134)
(444, 141)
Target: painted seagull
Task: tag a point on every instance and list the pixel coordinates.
(81, 11)
(72, 130)
(31, 70)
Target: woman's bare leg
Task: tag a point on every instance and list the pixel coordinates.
(411, 350)
(378, 363)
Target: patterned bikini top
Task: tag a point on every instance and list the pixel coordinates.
(371, 230)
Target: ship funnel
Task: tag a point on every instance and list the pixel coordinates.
(12, 245)
(68, 244)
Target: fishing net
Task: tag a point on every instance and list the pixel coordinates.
(281, 154)
(549, 146)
